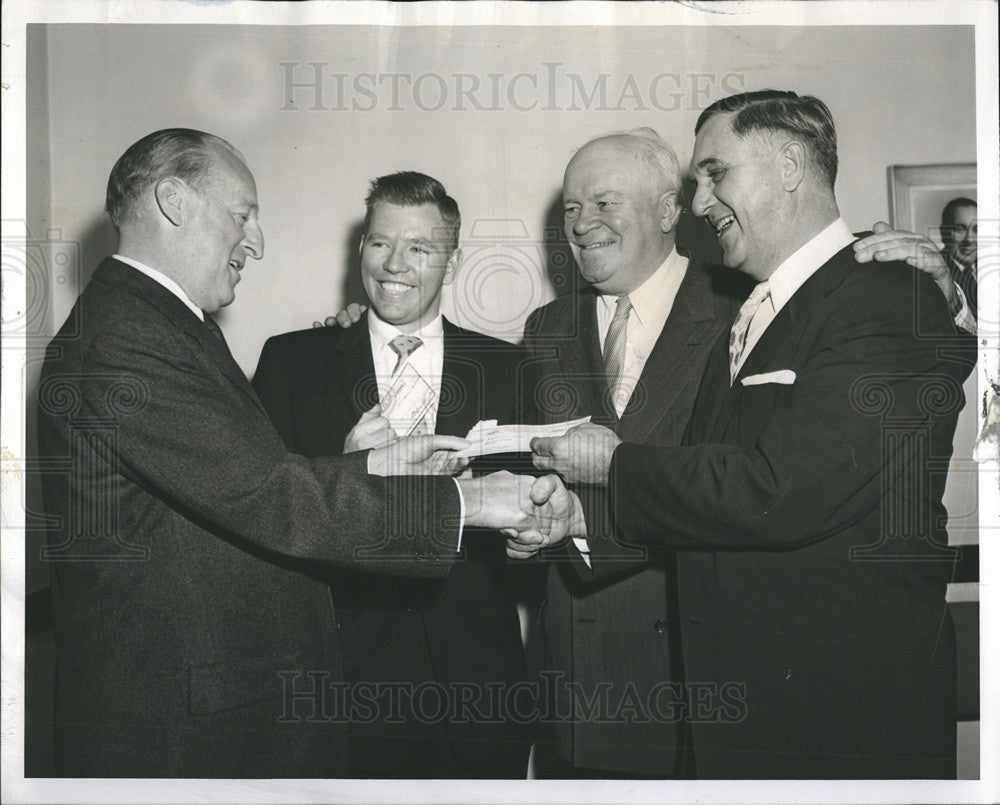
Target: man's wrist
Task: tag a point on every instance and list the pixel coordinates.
(577, 523)
(377, 462)
(470, 491)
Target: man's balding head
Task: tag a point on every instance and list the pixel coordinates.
(184, 154)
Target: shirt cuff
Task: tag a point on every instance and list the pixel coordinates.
(584, 548)
(964, 317)
(461, 514)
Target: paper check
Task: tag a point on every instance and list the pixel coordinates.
(488, 437)
(407, 401)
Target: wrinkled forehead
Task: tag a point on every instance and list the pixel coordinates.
(608, 165)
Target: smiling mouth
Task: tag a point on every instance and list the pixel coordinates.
(592, 246)
(235, 265)
(723, 224)
(394, 288)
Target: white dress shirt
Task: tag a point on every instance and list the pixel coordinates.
(651, 305)
(164, 280)
(427, 359)
(791, 274)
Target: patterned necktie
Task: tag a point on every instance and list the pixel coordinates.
(403, 345)
(738, 335)
(614, 344)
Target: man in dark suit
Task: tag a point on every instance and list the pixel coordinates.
(461, 632)
(805, 503)
(192, 637)
(959, 233)
(621, 195)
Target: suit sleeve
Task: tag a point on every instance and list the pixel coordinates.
(271, 381)
(820, 459)
(184, 433)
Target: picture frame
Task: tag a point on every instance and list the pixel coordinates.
(918, 193)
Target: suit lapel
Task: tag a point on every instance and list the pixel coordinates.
(779, 344)
(585, 366)
(131, 279)
(672, 363)
(460, 399)
(354, 369)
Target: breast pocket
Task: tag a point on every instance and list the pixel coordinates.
(756, 408)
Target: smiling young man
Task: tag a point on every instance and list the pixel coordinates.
(325, 390)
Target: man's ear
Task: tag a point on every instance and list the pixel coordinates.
(792, 162)
(670, 210)
(452, 268)
(361, 244)
(172, 199)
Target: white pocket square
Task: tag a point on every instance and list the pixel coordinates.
(783, 376)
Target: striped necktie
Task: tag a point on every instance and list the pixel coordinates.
(614, 344)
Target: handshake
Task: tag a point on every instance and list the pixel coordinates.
(533, 513)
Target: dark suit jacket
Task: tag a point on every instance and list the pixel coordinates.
(182, 530)
(612, 628)
(812, 562)
(966, 278)
(464, 628)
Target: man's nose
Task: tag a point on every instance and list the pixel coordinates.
(585, 221)
(702, 201)
(395, 261)
(253, 241)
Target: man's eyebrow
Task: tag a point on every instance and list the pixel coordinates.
(707, 161)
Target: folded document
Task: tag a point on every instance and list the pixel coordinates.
(488, 437)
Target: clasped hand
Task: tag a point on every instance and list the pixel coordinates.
(533, 513)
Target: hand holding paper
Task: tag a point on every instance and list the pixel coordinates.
(419, 455)
(372, 430)
(582, 456)
(489, 438)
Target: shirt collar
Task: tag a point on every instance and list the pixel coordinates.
(806, 261)
(165, 281)
(652, 294)
(382, 332)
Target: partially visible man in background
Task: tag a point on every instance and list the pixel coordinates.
(325, 391)
(959, 233)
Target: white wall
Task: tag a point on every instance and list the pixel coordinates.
(898, 95)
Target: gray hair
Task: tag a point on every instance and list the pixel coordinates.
(652, 148)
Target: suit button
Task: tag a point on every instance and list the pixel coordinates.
(660, 626)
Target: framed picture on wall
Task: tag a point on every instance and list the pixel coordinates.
(918, 194)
